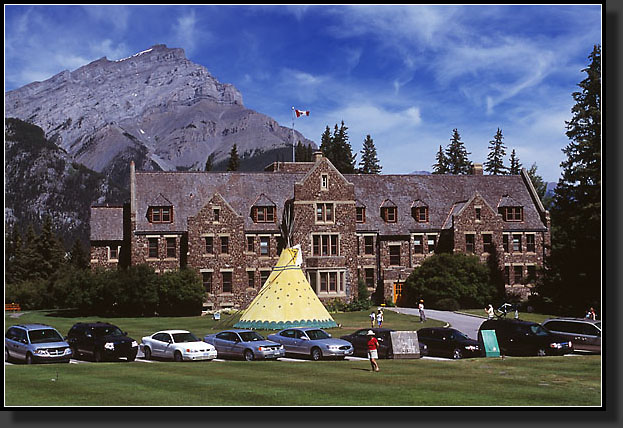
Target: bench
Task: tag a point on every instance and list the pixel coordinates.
(12, 307)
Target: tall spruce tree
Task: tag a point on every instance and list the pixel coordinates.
(326, 143)
(457, 156)
(537, 181)
(495, 158)
(209, 163)
(572, 281)
(515, 165)
(441, 167)
(369, 163)
(344, 160)
(234, 159)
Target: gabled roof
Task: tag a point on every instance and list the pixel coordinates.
(418, 203)
(508, 201)
(160, 200)
(388, 203)
(263, 201)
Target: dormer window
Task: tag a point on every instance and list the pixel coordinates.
(160, 214)
(420, 214)
(361, 215)
(264, 214)
(390, 214)
(512, 213)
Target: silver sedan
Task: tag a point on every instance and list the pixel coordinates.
(247, 344)
(313, 342)
(180, 345)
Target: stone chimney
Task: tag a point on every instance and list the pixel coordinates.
(132, 189)
(316, 156)
(477, 169)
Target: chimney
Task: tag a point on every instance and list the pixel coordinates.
(316, 156)
(132, 188)
(477, 169)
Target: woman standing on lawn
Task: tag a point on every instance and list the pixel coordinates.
(373, 346)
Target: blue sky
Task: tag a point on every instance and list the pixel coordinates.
(405, 74)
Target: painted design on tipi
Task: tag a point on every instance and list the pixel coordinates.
(286, 299)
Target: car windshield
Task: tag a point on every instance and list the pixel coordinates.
(184, 337)
(251, 336)
(539, 330)
(107, 331)
(317, 334)
(460, 335)
(44, 336)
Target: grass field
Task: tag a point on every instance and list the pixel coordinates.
(547, 381)
(526, 316)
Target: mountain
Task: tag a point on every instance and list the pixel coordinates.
(42, 180)
(156, 107)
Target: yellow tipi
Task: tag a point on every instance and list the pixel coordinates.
(286, 299)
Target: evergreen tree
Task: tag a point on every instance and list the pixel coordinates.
(515, 165)
(343, 158)
(369, 163)
(495, 158)
(234, 159)
(326, 143)
(309, 152)
(572, 280)
(78, 256)
(209, 163)
(50, 251)
(441, 167)
(457, 156)
(537, 181)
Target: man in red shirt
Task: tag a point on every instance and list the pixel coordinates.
(373, 346)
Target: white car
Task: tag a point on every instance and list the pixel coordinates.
(180, 345)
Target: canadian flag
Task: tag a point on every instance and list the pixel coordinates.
(300, 113)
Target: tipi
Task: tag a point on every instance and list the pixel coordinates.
(286, 299)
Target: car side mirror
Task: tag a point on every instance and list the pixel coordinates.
(24, 341)
(329, 334)
(125, 333)
(304, 338)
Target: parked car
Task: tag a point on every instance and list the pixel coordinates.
(585, 333)
(314, 342)
(448, 342)
(247, 344)
(518, 337)
(35, 343)
(359, 340)
(101, 341)
(179, 345)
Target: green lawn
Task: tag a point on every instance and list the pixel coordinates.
(548, 381)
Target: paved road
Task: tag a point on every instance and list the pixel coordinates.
(468, 324)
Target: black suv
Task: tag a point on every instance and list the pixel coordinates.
(518, 337)
(101, 341)
(448, 342)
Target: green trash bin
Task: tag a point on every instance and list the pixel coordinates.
(490, 341)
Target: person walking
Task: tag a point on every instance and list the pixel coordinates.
(372, 319)
(422, 314)
(373, 354)
(379, 318)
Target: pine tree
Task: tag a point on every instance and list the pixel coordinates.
(326, 143)
(572, 281)
(50, 251)
(78, 256)
(441, 167)
(344, 160)
(209, 163)
(369, 163)
(457, 156)
(537, 181)
(515, 165)
(234, 159)
(495, 158)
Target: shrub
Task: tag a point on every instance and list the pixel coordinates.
(448, 304)
(180, 293)
(460, 277)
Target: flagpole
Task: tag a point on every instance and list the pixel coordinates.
(293, 159)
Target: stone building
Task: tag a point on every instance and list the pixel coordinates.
(351, 227)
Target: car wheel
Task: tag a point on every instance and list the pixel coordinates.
(457, 354)
(540, 352)
(131, 358)
(97, 356)
(316, 354)
(177, 357)
(29, 358)
(248, 355)
(147, 352)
